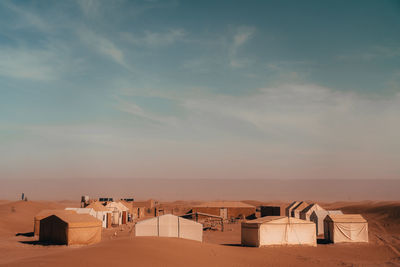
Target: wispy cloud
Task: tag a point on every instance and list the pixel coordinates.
(25, 63)
(28, 19)
(149, 38)
(242, 35)
(133, 109)
(103, 46)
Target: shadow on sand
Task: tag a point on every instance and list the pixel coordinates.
(233, 245)
(40, 243)
(28, 234)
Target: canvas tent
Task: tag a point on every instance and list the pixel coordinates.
(278, 230)
(288, 210)
(296, 210)
(306, 212)
(70, 229)
(170, 226)
(318, 217)
(345, 228)
(102, 213)
(43, 214)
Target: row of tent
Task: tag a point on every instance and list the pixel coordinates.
(269, 230)
(78, 226)
(282, 230)
(310, 212)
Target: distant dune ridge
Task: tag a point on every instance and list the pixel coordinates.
(202, 189)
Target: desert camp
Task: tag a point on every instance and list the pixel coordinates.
(199, 133)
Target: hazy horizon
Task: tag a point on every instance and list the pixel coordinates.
(204, 189)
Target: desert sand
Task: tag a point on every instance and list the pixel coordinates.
(119, 246)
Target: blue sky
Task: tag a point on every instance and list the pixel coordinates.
(200, 89)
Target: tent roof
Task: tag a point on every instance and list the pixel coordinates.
(118, 205)
(326, 212)
(343, 218)
(293, 204)
(300, 206)
(97, 206)
(79, 220)
(278, 220)
(224, 204)
(312, 207)
(126, 204)
(46, 213)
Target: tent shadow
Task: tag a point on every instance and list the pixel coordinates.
(232, 245)
(40, 243)
(27, 234)
(322, 241)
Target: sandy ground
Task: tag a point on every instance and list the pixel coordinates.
(120, 248)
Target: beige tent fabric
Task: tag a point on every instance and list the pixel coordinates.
(70, 229)
(97, 206)
(318, 217)
(88, 211)
(345, 228)
(306, 212)
(278, 230)
(297, 209)
(43, 214)
(170, 226)
(288, 210)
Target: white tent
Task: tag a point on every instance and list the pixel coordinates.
(345, 228)
(318, 217)
(170, 226)
(306, 213)
(288, 210)
(278, 230)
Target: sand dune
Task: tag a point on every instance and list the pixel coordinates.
(217, 249)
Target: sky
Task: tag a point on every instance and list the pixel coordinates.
(200, 89)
